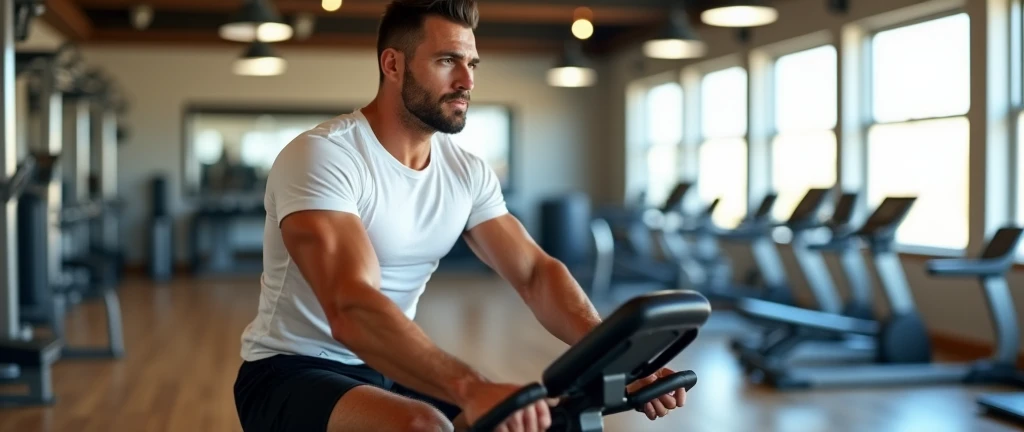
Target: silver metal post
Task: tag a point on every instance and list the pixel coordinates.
(77, 161)
(9, 319)
(52, 112)
(76, 167)
(104, 159)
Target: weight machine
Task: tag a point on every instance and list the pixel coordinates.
(25, 359)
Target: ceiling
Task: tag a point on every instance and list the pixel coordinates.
(506, 25)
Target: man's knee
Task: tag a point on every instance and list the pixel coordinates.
(425, 418)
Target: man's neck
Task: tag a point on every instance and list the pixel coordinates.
(408, 142)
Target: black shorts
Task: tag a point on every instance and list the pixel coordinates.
(298, 393)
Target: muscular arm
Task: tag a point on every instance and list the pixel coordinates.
(544, 283)
(334, 254)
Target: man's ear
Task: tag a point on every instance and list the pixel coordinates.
(392, 62)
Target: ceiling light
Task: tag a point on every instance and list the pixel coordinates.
(740, 13)
(677, 40)
(572, 69)
(259, 60)
(582, 29)
(331, 5)
(256, 21)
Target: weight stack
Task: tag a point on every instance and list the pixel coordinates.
(161, 233)
(565, 228)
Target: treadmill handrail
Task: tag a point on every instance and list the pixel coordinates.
(966, 267)
(806, 318)
(996, 259)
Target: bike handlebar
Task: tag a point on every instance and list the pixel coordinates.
(536, 392)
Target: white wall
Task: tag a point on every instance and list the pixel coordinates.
(554, 127)
(41, 37)
(952, 307)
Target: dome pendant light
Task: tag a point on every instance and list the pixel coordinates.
(256, 21)
(676, 40)
(259, 60)
(740, 13)
(572, 69)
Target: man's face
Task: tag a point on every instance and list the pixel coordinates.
(439, 77)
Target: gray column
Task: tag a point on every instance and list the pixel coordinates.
(8, 253)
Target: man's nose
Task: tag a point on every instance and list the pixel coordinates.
(464, 79)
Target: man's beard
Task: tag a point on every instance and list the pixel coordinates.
(419, 102)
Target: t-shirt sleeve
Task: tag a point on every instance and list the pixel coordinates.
(313, 173)
(488, 201)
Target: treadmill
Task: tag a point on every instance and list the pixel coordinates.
(786, 343)
(847, 248)
(779, 339)
(903, 355)
(996, 260)
(756, 230)
(702, 264)
(633, 259)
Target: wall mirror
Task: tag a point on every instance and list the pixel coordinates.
(229, 150)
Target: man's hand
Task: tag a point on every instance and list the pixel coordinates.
(485, 396)
(661, 406)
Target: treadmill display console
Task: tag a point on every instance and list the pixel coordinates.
(1003, 242)
(889, 213)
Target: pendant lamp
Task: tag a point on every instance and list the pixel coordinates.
(740, 13)
(676, 40)
(572, 68)
(259, 60)
(258, 20)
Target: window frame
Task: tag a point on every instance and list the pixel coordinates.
(869, 30)
(1015, 112)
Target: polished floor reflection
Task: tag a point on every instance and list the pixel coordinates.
(182, 341)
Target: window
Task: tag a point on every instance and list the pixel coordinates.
(804, 146)
(918, 142)
(663, 136)
(723, 151)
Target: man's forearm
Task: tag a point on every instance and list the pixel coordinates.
(559, 303)
(383, 337)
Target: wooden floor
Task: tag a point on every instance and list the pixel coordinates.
(183, 339)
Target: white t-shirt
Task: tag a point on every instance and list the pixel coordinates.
(413, 218)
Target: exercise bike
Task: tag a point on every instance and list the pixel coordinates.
(589, 380)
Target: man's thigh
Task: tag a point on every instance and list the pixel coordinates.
(288, 393)
(371, 409)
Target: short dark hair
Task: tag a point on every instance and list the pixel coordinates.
(402, 23)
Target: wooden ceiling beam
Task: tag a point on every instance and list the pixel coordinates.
(509, 11)
(193, 38)
(67, 17)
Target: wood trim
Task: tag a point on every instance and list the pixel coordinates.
(210, 39)
(67, 17)
(963, 349)
(489, 12)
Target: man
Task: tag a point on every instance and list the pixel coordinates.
(359, 211)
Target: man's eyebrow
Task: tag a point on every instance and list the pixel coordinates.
(460, 56)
